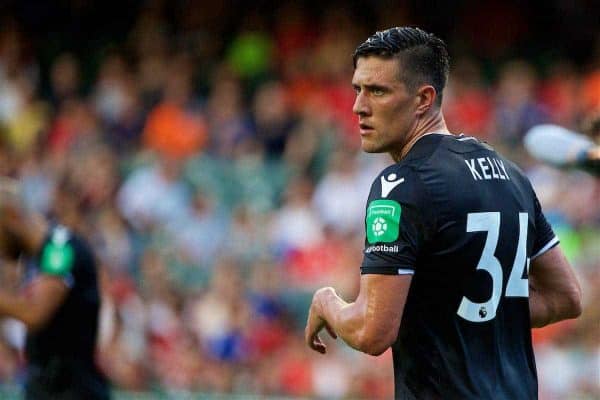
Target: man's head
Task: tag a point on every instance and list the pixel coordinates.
(399, 77)
(422, 56)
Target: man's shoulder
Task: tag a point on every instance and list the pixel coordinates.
(406, 174)
(400, 182)
(458, 151)
(63, 252)
(439, 151)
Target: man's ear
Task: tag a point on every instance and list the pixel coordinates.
(426, 96)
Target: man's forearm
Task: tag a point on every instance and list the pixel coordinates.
(369, 324)
(32, 312)
(14, 306)
(345, 319)
(356, 324)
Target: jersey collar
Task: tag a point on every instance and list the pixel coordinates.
(426, 144)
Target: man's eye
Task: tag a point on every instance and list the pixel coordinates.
(378, 92)
(357, 89)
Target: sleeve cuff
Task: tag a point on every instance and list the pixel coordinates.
(553, 242)
(386, 271)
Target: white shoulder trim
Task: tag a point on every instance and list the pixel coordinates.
(547, 247)
(402, 271)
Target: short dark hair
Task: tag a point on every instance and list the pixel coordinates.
(423, 55)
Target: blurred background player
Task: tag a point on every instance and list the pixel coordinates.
(563, 148)
(58, 303)
(451, 229)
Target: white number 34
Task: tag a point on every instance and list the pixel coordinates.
(516, 287)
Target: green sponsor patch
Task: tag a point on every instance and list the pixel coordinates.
(57, 259)
(383, 221)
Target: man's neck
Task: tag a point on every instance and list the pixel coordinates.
(428, 123)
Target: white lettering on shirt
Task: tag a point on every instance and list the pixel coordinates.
(471, 166)
(487, 168)
(484, 168)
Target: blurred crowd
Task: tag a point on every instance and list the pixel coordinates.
(222, 183)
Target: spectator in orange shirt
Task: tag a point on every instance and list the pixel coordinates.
(174, 127)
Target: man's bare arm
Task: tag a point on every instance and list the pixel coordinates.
(38, 306)
(554, 292)
(370, 324)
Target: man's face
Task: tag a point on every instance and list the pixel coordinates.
(385, 107)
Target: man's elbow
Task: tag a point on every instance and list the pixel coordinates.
(575, 304)
(34, 322)
(376, 344)
(377, 350)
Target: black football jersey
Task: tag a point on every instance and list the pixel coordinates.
(465, 222)
(60, 355)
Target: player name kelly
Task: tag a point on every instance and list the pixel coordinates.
(487, 168)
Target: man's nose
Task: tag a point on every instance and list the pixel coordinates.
(361, 106)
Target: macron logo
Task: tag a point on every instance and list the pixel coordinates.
(387, 185)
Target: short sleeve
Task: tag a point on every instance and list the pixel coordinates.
(394, 223)
(545, 239)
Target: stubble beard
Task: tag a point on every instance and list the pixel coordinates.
(372, 146)
(378, 146)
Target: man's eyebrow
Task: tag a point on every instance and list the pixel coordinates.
(374, 86)
(371, 86)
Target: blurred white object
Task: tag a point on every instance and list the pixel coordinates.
(556, 145)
